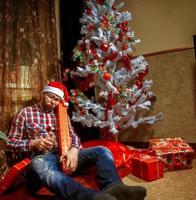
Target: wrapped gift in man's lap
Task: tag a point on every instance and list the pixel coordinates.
(174, 152)
(147, 167)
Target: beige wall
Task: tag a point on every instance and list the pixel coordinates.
(162, 24)
(174, 84)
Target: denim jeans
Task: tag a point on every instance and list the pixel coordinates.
(46, 168)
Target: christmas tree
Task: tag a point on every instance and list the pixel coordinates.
(105, 61)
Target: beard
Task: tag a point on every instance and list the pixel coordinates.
(48, 105)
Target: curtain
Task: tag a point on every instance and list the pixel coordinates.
(28, 53)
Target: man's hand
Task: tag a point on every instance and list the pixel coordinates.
(44, 144)
(72, 159)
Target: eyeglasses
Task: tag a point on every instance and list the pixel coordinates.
(53, 97)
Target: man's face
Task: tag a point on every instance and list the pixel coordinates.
(50, 100)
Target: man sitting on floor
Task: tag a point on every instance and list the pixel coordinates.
(34, 130)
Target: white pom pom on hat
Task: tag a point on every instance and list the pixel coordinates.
(58, 89)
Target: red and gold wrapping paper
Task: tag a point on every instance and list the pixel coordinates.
(174, 152)
(13, 174)
(147, 167)
(64, 140)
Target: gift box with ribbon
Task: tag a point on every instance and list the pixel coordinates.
(13, 174)
(174, 152)
(147, 167)
(64, 139)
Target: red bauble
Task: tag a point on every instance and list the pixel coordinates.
(125, 23)
(82, 112)
(90, 27)
(104, 46)
(106, 76)
(125, 29)
(124, 47)
(113, 7)
(88, 11)
(139, 84)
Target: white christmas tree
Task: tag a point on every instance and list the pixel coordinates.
(105, 60)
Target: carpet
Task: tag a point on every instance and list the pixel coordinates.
(175, 185)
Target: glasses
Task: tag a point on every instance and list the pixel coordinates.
(53, 97)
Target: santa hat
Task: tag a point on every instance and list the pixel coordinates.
(57, 88)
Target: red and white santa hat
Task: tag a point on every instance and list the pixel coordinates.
(58, 89)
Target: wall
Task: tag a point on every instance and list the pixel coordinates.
(167, 25)
(174, 84)
(162, 24)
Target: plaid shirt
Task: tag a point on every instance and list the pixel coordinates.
(31, 123)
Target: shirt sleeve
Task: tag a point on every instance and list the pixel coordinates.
(75, 140)
(18, 143)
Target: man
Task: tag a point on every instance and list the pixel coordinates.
(34, 130)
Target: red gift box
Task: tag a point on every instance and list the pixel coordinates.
(13, 174)
(174, 152)
(64, 139)
(147, 167)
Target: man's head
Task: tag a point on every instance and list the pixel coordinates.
(53, 93)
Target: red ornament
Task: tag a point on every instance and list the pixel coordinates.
(82, 112)
(90, 27)
(82, 47)
(125, 29)
(104, 46)
(88, 11)
(112, 100)
(105, 59)
(126, 61)
(113, 7)
(106, 76)
(124, 47)
(112, 55)
(139, 84)
(104, 22)
(94, 51)
(125, 23)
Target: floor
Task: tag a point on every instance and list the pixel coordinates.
(175, 185)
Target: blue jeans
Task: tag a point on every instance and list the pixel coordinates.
(46, 167)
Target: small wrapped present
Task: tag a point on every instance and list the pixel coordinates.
(174, 152)
(147, 167)
(13, 174)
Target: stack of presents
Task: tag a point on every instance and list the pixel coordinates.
(163, 155)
